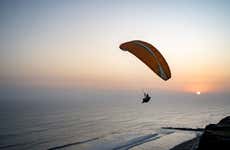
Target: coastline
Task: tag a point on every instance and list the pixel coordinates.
(188, 145)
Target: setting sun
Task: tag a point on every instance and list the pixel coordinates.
(198, 93)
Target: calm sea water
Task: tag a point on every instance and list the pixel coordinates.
(104, 120)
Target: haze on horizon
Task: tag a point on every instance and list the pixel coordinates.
(76, 44)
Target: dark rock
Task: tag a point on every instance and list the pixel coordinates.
(225, 122)
(216, 136)
(187, 145)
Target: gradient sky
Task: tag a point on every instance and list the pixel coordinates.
(76, 44)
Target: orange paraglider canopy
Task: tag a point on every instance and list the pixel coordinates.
(149, 55)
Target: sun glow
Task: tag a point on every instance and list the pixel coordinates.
(198, 93)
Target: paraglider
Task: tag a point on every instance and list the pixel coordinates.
(149, 55)
(146, 99)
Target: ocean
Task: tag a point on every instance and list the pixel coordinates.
(100, 120)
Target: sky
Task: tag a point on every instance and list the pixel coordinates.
(67, 44)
